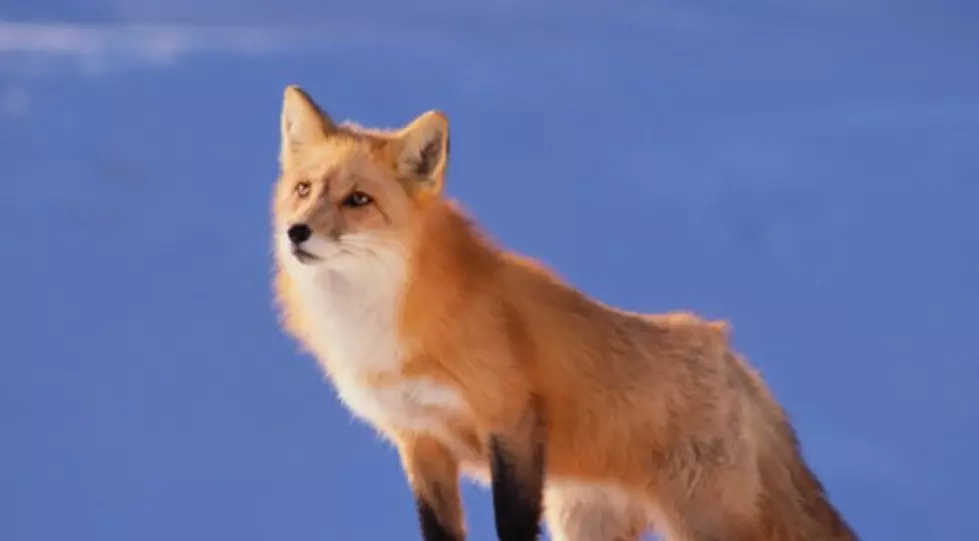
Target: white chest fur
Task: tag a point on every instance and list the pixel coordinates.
(352, 315)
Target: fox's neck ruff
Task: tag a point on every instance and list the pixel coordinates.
(353, 313)
(366, 313)
(352, 310)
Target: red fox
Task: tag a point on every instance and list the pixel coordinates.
(602, 423)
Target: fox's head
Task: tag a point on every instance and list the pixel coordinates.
(347, 196)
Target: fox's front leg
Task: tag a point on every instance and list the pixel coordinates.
(517, 470)
(433, 473)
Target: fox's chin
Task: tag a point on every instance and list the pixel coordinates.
(305, 257)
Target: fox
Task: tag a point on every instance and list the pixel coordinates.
(476, 362)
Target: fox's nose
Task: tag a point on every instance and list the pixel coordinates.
(299, 233)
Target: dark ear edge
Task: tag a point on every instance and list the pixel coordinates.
(431, 155)
(423, 150)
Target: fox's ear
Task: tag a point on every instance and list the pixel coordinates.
(422, 151)
(303, 123)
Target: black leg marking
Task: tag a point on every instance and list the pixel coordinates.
(517, 492)
(432, 528)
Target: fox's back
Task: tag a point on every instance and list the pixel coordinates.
(591, 347)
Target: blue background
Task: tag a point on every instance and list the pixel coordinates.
(808, 170)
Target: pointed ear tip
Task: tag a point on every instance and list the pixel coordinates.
(439, 114)
(294, 93)
(432, 118)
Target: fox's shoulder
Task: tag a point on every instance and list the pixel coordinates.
(530, 270)
(683, 330)
(689, 321)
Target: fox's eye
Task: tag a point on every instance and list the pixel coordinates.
(357, 199)
(303, 189)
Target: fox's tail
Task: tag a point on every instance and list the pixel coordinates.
(795, 506)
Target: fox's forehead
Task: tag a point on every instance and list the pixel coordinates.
(339, 159)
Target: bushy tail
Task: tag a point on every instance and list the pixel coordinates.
(795, 505)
